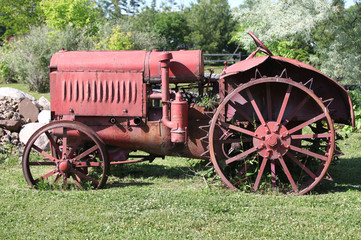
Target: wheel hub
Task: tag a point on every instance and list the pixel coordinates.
(272, 140)
(64, 166)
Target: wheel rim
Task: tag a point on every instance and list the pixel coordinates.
(271, 133)
(77, 157)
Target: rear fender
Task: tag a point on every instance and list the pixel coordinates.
(323, 86)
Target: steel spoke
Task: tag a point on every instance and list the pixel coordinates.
(82, 164)
(42, 164)
(269, 102)
(45, 154)
(53, 143)
(84, 176)
(57, 178)
(241, 155)
(273, 174)
(49, 174)
(305, 124)
(233, 140)
(73, 149)
(309, 153)
(310, 136)
(284, 104)
(260, 173)
(255, 107)
(87, 152)
(288, 174)
(308, 171)
(76, 181)
(65, 143)
(65, 181)
(243, 114)
(299, 106)
(238, 129)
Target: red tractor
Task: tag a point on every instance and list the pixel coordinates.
(272, 124)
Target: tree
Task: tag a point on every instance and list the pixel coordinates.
(116, 9)
(341, 57)
(173, 27)
(277, 20)
(75, 13)
(211, 25)
(17, 16)
(326, 32)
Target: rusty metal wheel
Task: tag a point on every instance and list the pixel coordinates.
(272, 133)
(64, 154)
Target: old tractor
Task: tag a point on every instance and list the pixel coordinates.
(271, 125)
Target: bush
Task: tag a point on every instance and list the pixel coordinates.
(26, 59)
(118, 40)
(147, 39)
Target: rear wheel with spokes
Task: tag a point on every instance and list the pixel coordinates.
(272, 133)
(64, 154)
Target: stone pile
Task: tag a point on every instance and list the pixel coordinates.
(20, 116)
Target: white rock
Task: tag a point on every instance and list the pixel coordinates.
(44, 103)
(15, 94)
(44, 116)
(28, 130)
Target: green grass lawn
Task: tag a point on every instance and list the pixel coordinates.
(168, 199)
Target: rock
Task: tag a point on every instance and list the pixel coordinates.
(44, 103)
(28, 130)
(44, 116)
(2, 132)
(15, 94)
(5, 139)
(28, 110)
(14, 135)
(11, 125)
(16, 116)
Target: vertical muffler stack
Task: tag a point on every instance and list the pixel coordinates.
(179, 108)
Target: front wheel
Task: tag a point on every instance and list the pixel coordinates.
(65, 153)
(272, 133)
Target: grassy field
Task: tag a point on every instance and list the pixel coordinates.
(168, 199)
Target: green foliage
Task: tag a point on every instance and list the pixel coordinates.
(211, 24)
(323, 33)
(340, 54)
(207, 101)
(116, 9)
(291, 49)
(59, 14)
(118, 40)
(28, 57)
(173, 27)
(17, 16)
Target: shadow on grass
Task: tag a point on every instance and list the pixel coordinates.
(136, 172)
(346, 176)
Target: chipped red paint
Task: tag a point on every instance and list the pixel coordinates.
(114, 102)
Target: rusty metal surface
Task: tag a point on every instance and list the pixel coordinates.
(186, 65)
(75, 150)
(257, 132)
(113, 98)
(324, 87)
(97, 93)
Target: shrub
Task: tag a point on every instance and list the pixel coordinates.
(26, 59)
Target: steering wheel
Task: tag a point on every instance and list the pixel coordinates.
(260, 44)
